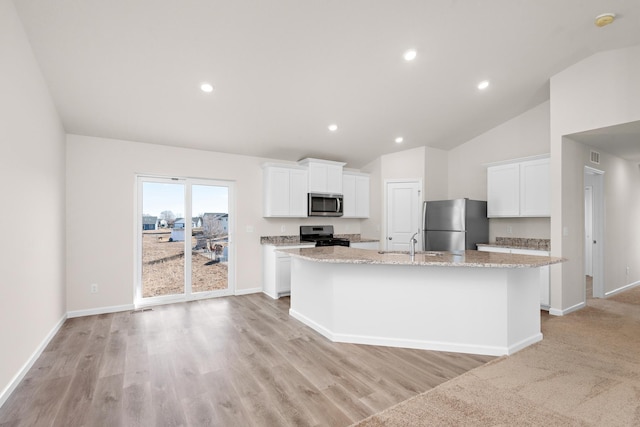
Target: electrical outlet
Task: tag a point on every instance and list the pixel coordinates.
(249, 229)
(509, 229)
(94, 288)
(627, 270)
(283, 228)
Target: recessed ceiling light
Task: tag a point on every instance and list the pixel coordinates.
(399, 140)
(333, 127)
(206, 87)
(483, 84)
(410, 55)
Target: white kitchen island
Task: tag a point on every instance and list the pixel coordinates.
(476, 302)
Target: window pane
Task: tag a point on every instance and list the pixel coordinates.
(210, 241)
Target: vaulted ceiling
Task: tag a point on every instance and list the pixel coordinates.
(284, 70)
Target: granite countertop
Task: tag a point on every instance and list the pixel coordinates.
(495, 245)
(295, 240)
(520, 243)
(345, 255)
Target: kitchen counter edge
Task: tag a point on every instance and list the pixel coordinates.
(347, 255)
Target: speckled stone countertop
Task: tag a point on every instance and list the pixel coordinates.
(345, 255)
(295, 240)
(520, 243)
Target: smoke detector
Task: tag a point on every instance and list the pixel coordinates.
(605, 19)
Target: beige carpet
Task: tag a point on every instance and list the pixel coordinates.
(585, 372)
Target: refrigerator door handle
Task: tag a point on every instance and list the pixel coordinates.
(424, 226)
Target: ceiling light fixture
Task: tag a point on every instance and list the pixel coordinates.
(399, 140)
(410, 55)
(206, 87)
(333, 127)
(605, 19)
(483, 84)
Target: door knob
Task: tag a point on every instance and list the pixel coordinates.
(594, 242)
(390, 238)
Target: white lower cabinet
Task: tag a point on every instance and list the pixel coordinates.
(276, 270)
(544, 271)
(366, 245)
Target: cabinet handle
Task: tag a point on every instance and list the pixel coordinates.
(390, 238)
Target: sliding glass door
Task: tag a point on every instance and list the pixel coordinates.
(184, 245)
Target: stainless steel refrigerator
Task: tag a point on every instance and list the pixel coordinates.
(454, 225)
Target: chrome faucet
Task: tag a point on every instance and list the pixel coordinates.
(412, 245)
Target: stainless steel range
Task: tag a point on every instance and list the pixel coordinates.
(322, 235)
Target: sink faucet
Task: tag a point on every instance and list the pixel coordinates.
(412, 245)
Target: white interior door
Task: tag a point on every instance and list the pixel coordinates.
(588, 230)
(594, 178)
(403, 210)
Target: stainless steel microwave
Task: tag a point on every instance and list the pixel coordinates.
(325, 204)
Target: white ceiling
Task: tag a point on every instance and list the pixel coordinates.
(621, 140)
(283, 70)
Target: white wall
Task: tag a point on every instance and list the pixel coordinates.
(406, 164)
(101, 213)
(403, 164)
(32, 187)
(462, 171)
(370, 227)
(436, 182)
(523, 136)
(622, 210)
(600, 91)
(622, 219)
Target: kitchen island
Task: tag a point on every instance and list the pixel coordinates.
(472, 302)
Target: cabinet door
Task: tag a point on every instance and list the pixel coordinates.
(277, 192)
(494, 249)
(535, 188)
(349, 196)
(283, 274)
(317, 178)
(362, 196)
(298, 193)
(334, 179)
(544, 275)
(366, 245)
(503, 188)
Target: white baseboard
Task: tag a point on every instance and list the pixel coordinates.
(100, 310)
(416, 344)
(247, 291)
(525, 343)
(559, 312)
(622, 289)
(29, 363)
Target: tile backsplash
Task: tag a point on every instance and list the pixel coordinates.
(523, 242)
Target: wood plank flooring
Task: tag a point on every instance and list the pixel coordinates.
(234, 361)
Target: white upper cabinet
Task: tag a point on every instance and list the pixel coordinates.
(519, 189)
(285, 191)
(355, 189)
(503, 191)
(535, 188)
(324, 176)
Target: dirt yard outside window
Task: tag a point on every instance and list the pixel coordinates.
(163, 267)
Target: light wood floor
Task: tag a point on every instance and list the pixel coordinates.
(236, 361)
